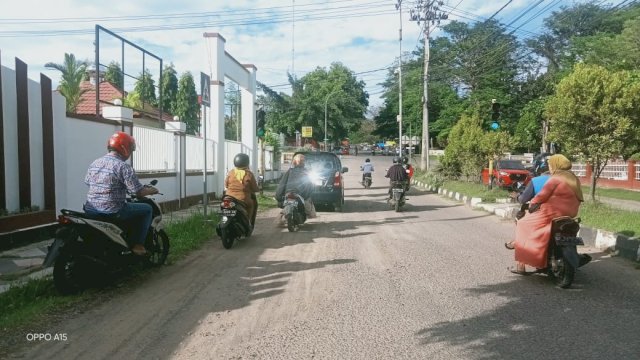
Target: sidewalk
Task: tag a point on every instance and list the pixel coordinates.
(621, 245)
(25, 263)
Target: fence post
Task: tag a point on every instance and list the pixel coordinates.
(631, 173)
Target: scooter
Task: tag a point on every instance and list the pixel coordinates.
(236, 221)
(562, 253)
(367, 181)
(293, 211)
(87, 248)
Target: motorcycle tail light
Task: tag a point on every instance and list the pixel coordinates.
(227, 203)
(63, 220)
(336, 179)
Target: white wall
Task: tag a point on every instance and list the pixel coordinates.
(10, 114)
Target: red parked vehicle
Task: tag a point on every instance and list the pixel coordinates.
(510, 174)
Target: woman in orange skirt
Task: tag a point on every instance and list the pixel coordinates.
(560, 196)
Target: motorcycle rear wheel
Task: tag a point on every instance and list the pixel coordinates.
(65, 274)
(291, 223)
(227, 238)
(564, 275)
(397, 206)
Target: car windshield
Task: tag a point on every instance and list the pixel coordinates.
(511, 164)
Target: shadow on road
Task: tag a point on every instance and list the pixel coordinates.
(537, 315)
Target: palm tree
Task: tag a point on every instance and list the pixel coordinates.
(73, 73)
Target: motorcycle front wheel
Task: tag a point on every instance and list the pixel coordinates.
(158, 248)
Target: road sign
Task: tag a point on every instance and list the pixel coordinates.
(307, 131)
(205, 83)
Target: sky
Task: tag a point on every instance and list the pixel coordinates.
(277, 36)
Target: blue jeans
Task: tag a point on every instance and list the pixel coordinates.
(137, 216)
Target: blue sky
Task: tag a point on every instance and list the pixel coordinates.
(362, 34)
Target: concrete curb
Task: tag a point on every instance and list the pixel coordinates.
(617, 244)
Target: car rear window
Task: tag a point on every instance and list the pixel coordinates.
(511, 164)
(321, 161)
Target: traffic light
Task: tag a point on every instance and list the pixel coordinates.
(260, 123)
(495, 114)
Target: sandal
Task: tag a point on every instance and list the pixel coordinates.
(509, 245)
(518, 269)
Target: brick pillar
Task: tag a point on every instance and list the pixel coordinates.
(631, 173)
(588, 172)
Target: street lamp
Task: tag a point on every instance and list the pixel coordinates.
(325, 120)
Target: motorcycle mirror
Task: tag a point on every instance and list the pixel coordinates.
(153, 182)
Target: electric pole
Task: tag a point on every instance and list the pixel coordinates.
(427, 12)
(399, 8)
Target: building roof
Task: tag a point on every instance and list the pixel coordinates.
(108, 93)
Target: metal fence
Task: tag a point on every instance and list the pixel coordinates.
(156, 150)
(579, 169)
(638, 171)
(615, 170)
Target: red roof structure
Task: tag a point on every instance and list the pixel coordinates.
(108, 93)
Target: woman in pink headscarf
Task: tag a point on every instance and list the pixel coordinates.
(560, 196)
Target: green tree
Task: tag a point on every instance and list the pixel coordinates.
(346, 105)
(528, 134)
(73, 74)
(232, 127)
(169, 88)
(113, 74)
(187, 107)
(596, 113)
(146, 87)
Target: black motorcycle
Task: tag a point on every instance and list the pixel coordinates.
(366, 181)
(293, 211)
(236, 221)
(397, 195)
(562, 253)
(90, 249)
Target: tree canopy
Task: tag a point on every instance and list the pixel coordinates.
(73, 73)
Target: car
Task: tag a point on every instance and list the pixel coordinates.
(510, 174)
(326, 171)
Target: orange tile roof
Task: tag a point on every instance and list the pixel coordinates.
(108, 93)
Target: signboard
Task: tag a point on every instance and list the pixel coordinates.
(307, 131)
(205, 83)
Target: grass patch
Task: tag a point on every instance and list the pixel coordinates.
(190, 233)
(24, 304)
(621, 194)
(602, 216)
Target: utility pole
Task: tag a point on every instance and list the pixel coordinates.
(427, 12)
(399, 8)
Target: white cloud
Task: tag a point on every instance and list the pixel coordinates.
(360, 42)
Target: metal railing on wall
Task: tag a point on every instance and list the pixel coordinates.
(156, 150)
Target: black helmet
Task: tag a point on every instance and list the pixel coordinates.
(367, 160)
(405, 160)
(396, 159)
(241, 160)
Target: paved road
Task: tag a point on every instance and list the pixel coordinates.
(427, 283)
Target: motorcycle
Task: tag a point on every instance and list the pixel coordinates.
(397, 195)
(367, 181)
(89, 249)
(293, 211)
(562, 253)
(235, 222)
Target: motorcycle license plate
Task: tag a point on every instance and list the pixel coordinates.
(398, 190)
(568, 240)
(229, 212)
